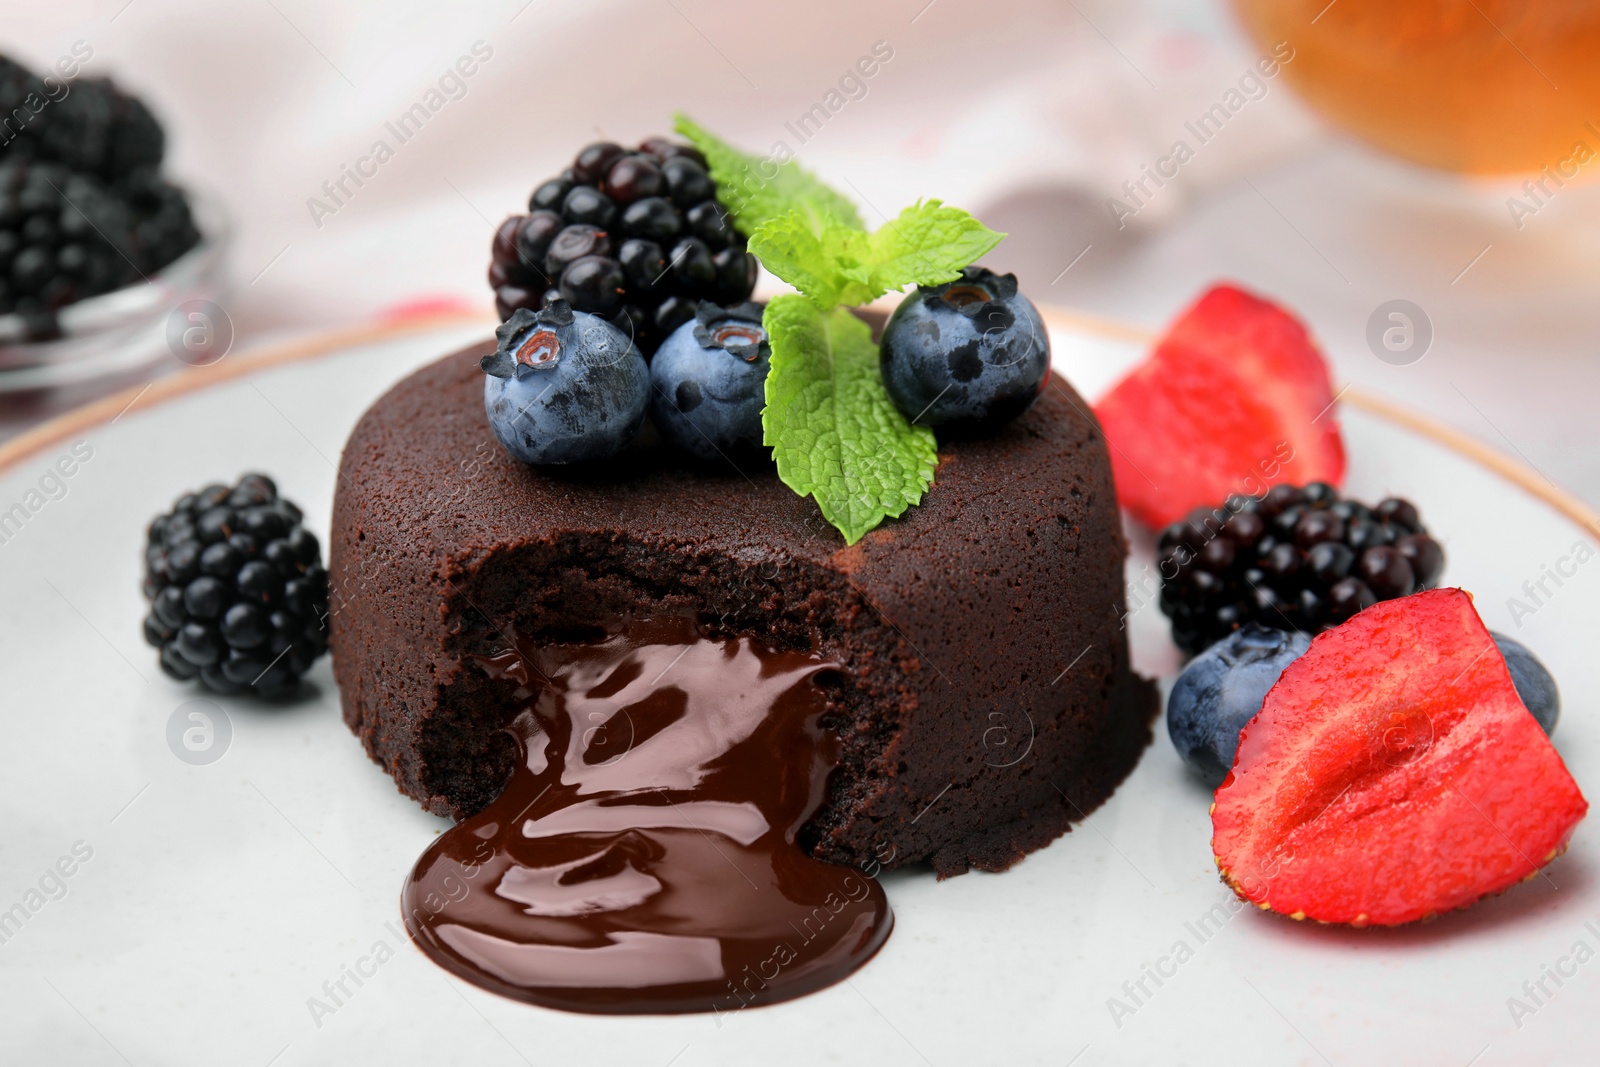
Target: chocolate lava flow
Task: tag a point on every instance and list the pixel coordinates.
(643, 856)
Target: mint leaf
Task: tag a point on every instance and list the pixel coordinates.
(757, 190)
(833, 264)
(834, 432)
(928, 245)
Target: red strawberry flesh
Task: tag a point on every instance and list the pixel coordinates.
(1392, 774)
(1234, 399)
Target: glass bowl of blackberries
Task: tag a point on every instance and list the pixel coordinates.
(98, 250)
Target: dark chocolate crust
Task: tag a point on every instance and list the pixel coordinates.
(983, 698)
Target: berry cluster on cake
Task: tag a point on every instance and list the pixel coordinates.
(944, 527)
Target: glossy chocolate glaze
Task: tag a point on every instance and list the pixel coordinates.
(643, 856)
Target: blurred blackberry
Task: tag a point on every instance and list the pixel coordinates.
(83, 209)
(93, 128)
(1295, 559)
(63, 236)
(137, 140)
(16, 81)
(638, 237)
(238, 594)
(163, 227)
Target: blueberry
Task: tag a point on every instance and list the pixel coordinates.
(1222, 689)
(564, 386)
(708, 381)
(1534, 684)
(969, 354)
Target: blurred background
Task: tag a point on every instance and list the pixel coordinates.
(1336, 157)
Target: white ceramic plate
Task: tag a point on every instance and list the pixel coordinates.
(208, 904)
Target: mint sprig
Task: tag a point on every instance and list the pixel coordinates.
(833, 264)
(928, 244)
(834, 432)
(756, 190)
(829, 262)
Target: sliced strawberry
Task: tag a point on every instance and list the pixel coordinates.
(1392, 774)
(1234, 399)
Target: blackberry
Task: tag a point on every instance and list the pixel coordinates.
(1297, 558)
(83, 208)
(63, 236)
(163, 227)
(93, 128)
(636, 237)
(238, 594)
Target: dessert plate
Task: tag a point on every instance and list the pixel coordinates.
(240, 904)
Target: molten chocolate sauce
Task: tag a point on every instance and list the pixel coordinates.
(642, 857)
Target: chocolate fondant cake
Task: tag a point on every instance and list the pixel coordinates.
(981, 689)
